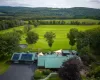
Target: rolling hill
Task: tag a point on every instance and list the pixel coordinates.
(49, 13)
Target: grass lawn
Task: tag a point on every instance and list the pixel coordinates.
(61, 40)
(3, 67)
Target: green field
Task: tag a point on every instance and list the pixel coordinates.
(61, 42)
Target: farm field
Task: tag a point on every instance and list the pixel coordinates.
(61, 40)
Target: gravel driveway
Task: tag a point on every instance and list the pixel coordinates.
(19, 72)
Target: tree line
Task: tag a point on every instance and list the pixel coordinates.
(6, 24)
(61, 22)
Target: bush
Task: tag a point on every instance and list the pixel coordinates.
(41, 73)
(37, 75)
(46, 72)
(95, 73)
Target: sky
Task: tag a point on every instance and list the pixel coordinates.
(52, 3)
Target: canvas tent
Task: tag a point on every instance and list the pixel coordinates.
(58, 52)
(40, 54)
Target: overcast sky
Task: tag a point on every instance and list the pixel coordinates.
(52, 3)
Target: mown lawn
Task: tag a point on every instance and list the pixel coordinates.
(61, 40)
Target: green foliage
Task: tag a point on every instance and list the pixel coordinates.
(9, 42)
(95, 73)
(88, 44)
(90, 38)
(32, 37)
(94, 39)
(60, 42)
(72, 36)
(49, 13)
(87, 41)
(6, 24)
(38, 75)
(27, 28)
(36, 24)
(41, 73)
(67, 22)
(70, 70)
(3, 66)
(49, 38)
(30, 22)
(46, 72)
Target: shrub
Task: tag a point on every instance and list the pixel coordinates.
(19, 31)
(95, 73)
(46, 72)
(41, 73)
(37, 75)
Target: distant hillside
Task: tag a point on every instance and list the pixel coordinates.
(49, 13)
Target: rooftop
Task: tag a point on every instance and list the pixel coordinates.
(23, 56)
(52, 61)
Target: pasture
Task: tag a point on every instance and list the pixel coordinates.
(60, 42)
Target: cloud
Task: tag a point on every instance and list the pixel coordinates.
(52, 3)
(95, 1)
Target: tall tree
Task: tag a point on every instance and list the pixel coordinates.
(50, 38)
(36, 24)
(27, 28)
(9, 42)
(32, 37)
(72, 36)
(90, 38)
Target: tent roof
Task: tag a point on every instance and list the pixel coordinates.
(58, 51)
(40, 54)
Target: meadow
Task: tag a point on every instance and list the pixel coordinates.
(60, 42)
